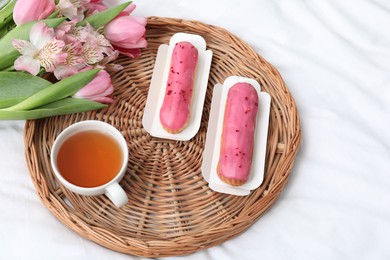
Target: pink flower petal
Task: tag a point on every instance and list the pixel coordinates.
(32, 10)
(139, 20)
(107, 100)
(101, 84)
(130, 9)
(98, 89)
(90, 89)
(95, 8)
(111, 56)
(24, 47)
(47, 10)
(124, 29)
(63, 28)
(40, 34)
(132, 53)
(62, 71)
(127, 11)
(67, 8)
(141, 43)
(27, 63)
(60, 58)
(51, 55)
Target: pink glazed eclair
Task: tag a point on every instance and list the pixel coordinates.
(238, 134)
(176, 108)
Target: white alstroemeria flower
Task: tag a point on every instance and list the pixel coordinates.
(73, 63)
(43, 49)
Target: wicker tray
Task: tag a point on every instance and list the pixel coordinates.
(171, 210)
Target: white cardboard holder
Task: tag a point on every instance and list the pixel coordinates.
(213, 139)
(151, 118)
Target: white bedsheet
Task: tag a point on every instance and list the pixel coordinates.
(335, 58)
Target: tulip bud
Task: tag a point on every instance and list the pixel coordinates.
(127, 33)
(99, 89)
(32, 10)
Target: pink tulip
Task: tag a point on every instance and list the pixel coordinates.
(95, 6)
(32, 10)
(99, 89)
(127, 33)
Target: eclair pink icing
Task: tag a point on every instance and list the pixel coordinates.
(175, 110)
(238, 134)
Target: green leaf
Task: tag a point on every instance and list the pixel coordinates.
(54, 14)
(6, 18)
(102, 18)
(62, 89)
(6, 10)
(17, 86)
(8, 53)
(60, 107)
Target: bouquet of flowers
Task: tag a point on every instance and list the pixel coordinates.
(75, 42)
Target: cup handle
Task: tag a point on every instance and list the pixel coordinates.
(116, 194)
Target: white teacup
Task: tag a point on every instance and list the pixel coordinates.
(111, 189)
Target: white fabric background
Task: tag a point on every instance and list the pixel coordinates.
(335, 58)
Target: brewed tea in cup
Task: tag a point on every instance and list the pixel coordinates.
(90, 158)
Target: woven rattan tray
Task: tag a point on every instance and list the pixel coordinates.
(171, 210)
